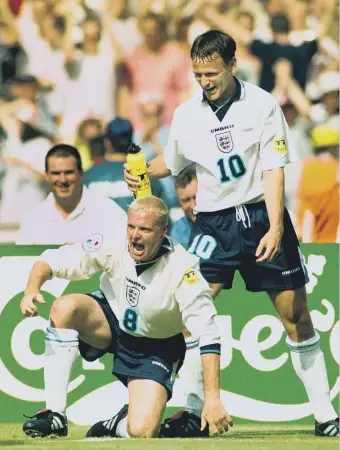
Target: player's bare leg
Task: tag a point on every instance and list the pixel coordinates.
(307, 357)
(141, 418)
(147, 401)
(72, 317)
(216, 288)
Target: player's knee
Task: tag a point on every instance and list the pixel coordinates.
(299, 314)
(63, 310)
(216, 289)
(142, 429)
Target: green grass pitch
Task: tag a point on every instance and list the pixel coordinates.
(242, 437)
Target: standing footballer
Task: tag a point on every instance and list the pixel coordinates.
(236, 134)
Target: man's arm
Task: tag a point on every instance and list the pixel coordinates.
(213, 412)
(273, 181)
(198, 314)
(227, 25)
(156, 169)
(40, 273)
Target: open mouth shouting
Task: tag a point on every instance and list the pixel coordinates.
(137, 249)
(210, 91)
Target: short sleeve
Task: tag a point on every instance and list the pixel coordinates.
(276, 145)
(173, 156)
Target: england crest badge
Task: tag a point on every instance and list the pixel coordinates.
(224, 142)
(132, 295)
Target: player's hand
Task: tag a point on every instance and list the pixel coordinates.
(269, 246)
(130, 180)
(215, 415)
(27, 305)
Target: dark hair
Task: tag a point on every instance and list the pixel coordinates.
(279, 23)
(213, 41)
(158, 18)
(60, 24)
(64, 151)
(186, 176)
(91, 121)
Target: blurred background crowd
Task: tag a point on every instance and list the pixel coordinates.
(97, 74)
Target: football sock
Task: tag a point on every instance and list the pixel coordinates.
(192, 375)
(61, 350)
(309, 364)
(122, 430)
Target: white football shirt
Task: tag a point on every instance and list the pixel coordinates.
(94, 213)
(231, 154)
(156, 304)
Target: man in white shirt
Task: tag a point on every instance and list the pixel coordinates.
(237, 136)
(71, 211)
(150, 289)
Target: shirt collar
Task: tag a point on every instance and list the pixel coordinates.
(238, 95)
(166, 247)
(50, 201)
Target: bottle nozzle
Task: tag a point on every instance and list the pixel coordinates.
(134, 148)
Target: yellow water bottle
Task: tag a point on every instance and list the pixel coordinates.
(137, 162)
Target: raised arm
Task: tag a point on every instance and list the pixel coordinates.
(227, 25)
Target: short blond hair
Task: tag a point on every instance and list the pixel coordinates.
(150, 203)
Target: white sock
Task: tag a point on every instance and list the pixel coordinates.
(61, 350)
(122, 430)
(192, 375)
(309, 364)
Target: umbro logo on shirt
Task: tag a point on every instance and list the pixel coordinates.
(225, 127)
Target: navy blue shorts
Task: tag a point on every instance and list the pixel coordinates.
(226, 241)
(138, 357)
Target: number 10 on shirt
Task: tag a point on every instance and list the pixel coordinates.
(231, 168)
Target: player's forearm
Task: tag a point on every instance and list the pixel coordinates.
(273, 181)
(40, 273)
(158, 168)
(211, 375)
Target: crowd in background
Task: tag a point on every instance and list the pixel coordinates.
(68, 68)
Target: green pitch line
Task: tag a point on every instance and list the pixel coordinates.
(242, 437)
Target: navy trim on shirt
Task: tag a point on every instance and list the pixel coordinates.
(166, 247)
(221, 111)
(212, 348)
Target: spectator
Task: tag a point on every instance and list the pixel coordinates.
(248, 66)
(318, 194)
(124, 26)
(12, 56)
(88, 130)
(153, 137)
(30, 130)
(107, 177)
(269, 52)
(157, 67)
(89, 91)
(328, 108)
(70, 212)
(29, 26)
(186, 187)
(326, 111)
